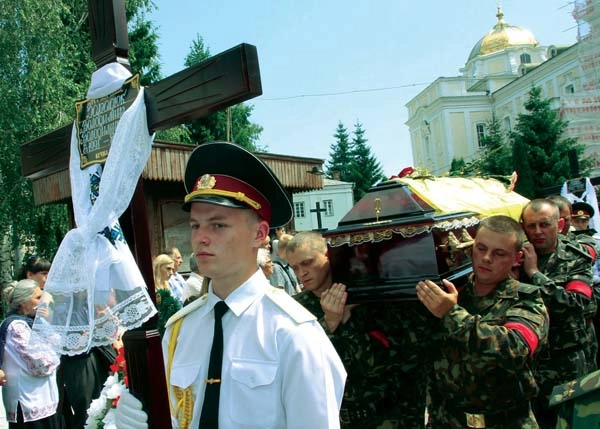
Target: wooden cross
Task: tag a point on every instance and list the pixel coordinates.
(218, 82)
(318, 210)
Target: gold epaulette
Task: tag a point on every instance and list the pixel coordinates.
(187, 310)
(289, 305)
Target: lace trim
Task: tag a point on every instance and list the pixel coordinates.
(96, 289)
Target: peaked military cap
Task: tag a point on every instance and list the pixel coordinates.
(582, 210)
(228, 175)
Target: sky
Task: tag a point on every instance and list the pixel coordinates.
(328, 61)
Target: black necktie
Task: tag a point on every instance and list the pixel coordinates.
(209, 419)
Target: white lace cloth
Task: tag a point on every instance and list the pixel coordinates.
(96, 288)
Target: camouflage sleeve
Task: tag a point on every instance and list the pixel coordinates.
(575, 293)
(509, 339)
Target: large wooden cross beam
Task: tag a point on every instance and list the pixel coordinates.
(218, 82)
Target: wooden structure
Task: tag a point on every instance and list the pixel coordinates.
(163, 184)
(218, 82)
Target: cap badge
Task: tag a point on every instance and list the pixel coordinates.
(206, 182)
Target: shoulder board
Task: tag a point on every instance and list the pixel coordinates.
(292, 308)
(187, 310)
(528, 289)
(577, 248)
(575, 388)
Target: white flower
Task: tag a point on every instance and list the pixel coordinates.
(97, 406)
(101, 409)
(111, 380)
(114, 391)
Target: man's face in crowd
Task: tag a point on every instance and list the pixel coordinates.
(312, 269)
(225, 240)
(494, 255)
(177, 259)
(581, 223)
(566, 215)
(542, 228)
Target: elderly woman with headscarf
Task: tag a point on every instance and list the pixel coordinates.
(30, 394)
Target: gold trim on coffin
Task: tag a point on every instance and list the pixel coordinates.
(374, 236)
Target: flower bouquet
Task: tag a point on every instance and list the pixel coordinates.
(101, 413)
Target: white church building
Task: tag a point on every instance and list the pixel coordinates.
(448, 118)
(333, 202)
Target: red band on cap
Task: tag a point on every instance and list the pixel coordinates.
(529, 336)
(230, 187)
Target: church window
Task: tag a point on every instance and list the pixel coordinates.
(525, 59)
(569, 89)
(328, 207)
(507, 124)
(299, 209)
(481, 133)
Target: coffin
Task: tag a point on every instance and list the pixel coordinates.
(406, 230)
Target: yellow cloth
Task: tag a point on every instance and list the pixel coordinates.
(455, 194)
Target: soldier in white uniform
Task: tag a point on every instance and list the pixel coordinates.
(279, 369)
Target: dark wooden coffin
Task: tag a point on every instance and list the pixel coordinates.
(392, 238)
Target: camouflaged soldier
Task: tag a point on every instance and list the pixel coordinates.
(486, 339)
(563, 269)
(362, 337)
(580, 234)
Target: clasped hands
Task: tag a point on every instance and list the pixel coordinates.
(333, 303)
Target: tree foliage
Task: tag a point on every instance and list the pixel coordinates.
(46, 66)
(366, 169)
(497, 159)
(214, 126)
(340, 156)
(540, 153)
(35, 43)
(352, 160)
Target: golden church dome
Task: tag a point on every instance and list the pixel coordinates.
(502, 36)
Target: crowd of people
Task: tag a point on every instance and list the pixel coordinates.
(260, 334)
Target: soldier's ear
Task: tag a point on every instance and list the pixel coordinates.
(519, 259)
(561, 224)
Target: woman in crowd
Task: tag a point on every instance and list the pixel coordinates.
(36, 268)
(30, 394)
(167, 304)
(263, 260)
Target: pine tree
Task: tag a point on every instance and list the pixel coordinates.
(340, 157)
(365, 169)
(497, 154)
(539, 151)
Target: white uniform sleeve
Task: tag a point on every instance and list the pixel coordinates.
(313, 379)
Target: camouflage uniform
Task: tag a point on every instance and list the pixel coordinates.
(590, 245)
(409, 327)
(578, 402)
(369, 347)
(483, 364)
(566, 277)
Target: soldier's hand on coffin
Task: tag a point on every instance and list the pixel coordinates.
(333, 303)
(437, 300)
(530, 259)
(129, 413)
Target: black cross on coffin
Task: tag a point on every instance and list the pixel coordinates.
(218, 82)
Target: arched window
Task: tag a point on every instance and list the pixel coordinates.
(525, 58)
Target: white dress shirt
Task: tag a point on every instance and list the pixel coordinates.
(279, 368)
